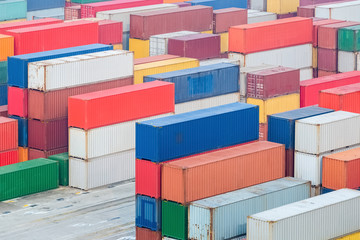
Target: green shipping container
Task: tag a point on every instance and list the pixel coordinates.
(349, 39)
(63, 160)
(28, 177)
(12, 9)
(174, 222)
(88, 1)
(3, 72)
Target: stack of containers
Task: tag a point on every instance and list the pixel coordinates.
(8, 141)
(283, 7)
(202, 87)
(289, 37)
(37, 9)
(281, 129)
(274, 90)
(102, 131)
(6, 50)
(255, 16)
(328, 47)
(194, 18)
(348, 43)
(12, 9)
(318, 136)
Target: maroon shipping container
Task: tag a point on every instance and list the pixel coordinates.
(227, 17)
(327, 59)
(263, 131)
(328, 34)
(4, 111)
(306, 11)
(72, 13)
(287, 15)
(154, 59)
(110, 32)
(289, 162)
(194, 18)
(48, 135)
(315, 73)
(147, 234)
(183, 4)
(35, 153)
(200, 46)
(54, 104)
(273, 82)
(316, 26)
(322, 73)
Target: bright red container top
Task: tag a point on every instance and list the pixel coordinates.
(8, 134)
(25, 24)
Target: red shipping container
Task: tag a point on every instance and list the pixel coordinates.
(8, 134)
(289, 163)
(153, 59)
(227, 17)
(147, 234)
(328, 34)
(54, 36)
(287, 15)
(278, 34)
(35, 153)
(54, 104)
(322, 73)
(194, 18)
(309, 89)
(90, 10)
(327, 59)
(4, 111)
(26, 24)
(110, 32)
(122, 104)
(18, 101)
(9, 157)
(72, 12)
(273, 82)
(316, 26)
(200, 46)
(47, 135)
(345, 98)
(263, 131)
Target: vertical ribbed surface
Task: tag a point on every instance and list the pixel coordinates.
(174, 220)
(12, 10)
(8, 134)
(9, 157)
(6, 47)
(148, 212)
(347, 11)
(346, 61)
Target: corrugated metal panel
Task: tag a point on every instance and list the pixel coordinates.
(224, 216)
(174, 220)
(18, 101)
(187, 133)
(101, 171)
(218, 60)
(23, 154)
(282, 6)
(3, 72)
(3, 94)
(306, 73)
(139, 47)
(322, 217)
(148, 212)
(33, 5)
(354, 236)
(256, 17)
(145, 234)
(9, 157)
(63, 160)
(57, 13)
(347, 11)
(6, 47)
(220, 4)
(327, 132)
(258, 5)
(36, 153)
(347, 61)
(12, 9)
(22, 130)
(8, 134)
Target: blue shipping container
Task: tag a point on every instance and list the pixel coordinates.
(201, 82)
(281, 126)
(33, 5)
(18, 65)
(220, 4)
(3, 94)
(12, 9)
(148, 212)
(185, 134)
(22, 130)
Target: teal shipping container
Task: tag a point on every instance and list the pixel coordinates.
(12, 9)
(3, 72)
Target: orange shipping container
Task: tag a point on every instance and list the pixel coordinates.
(342, 170)
(6, 47)
(269, 35)
(207, 175)
(8, 134)
(23, 154)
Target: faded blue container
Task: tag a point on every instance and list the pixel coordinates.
(12, 9)
(189, 133)
(201, 82)
(3, 94)
(148, 212)
(22, 130)
(18, 65)
(33, 5)
(281, 126)
(220, 4)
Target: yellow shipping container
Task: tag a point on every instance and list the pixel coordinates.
(23, 154)
(315, 58)
(275, 105)
(282, 6)
(118, 46)
(141, 48)
(209, 31)
(12, 21)
(224, 42)
(6, 47)
(170, 65)
(354, 236)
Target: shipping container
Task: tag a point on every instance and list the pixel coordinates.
(110, 32)
(18, 101)
(322, 73)
(12, 9)
(317, 24)
(282, 6)
(18, 65)
(72, 13)
(315, 58)
(57, 13)
(220, 4)
(218, 60)
(63, 160)
(327, 59)
(154, 59)
(347, 11)
(9, 157)
(35, 153)
(3, 72)
(28, 177)
(227, 17)
(174, 220)
(333, 214)
(349, 39)
(263, 132)
(23, 154)
(224, 42)
(8, 134)
(328, 34)
(348, 61)
(22, 130)
(194, 18)
(3, 94)
(353, 236)
(6, 47)
(312, 2)
(141, 48)
(187, 133)
(148, 212)
(260, 5)
(258, 17)
(3, 111)
(146, 234)
(224, 216)
(33, 5)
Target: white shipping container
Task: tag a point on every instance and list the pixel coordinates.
(207, 103)
(260, 5)
(252, 11)
(225, 215)
(319, 218)
(299, 56)
(256, 17)
(243, 76)
(348, 61)
(327, 132)
(347, 11)
(123, 15)
(104, 170)
(105, 140)
(218, 60)
(80, 70)
(32, 15)
(306, 73)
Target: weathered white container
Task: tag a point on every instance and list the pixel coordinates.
(249, 11)
(327, 132)
(309, 166)
(105, 140)
(218, 60)
(51, 12)
(347, 11)
(206, 103)
(322, 217)
(123, 15)
(80, 70)
(348, 61)
(224, 216)
(104, 170)
(278, 57)
(159, 43)
(306, 73)
(256, 17)
(260, 5)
